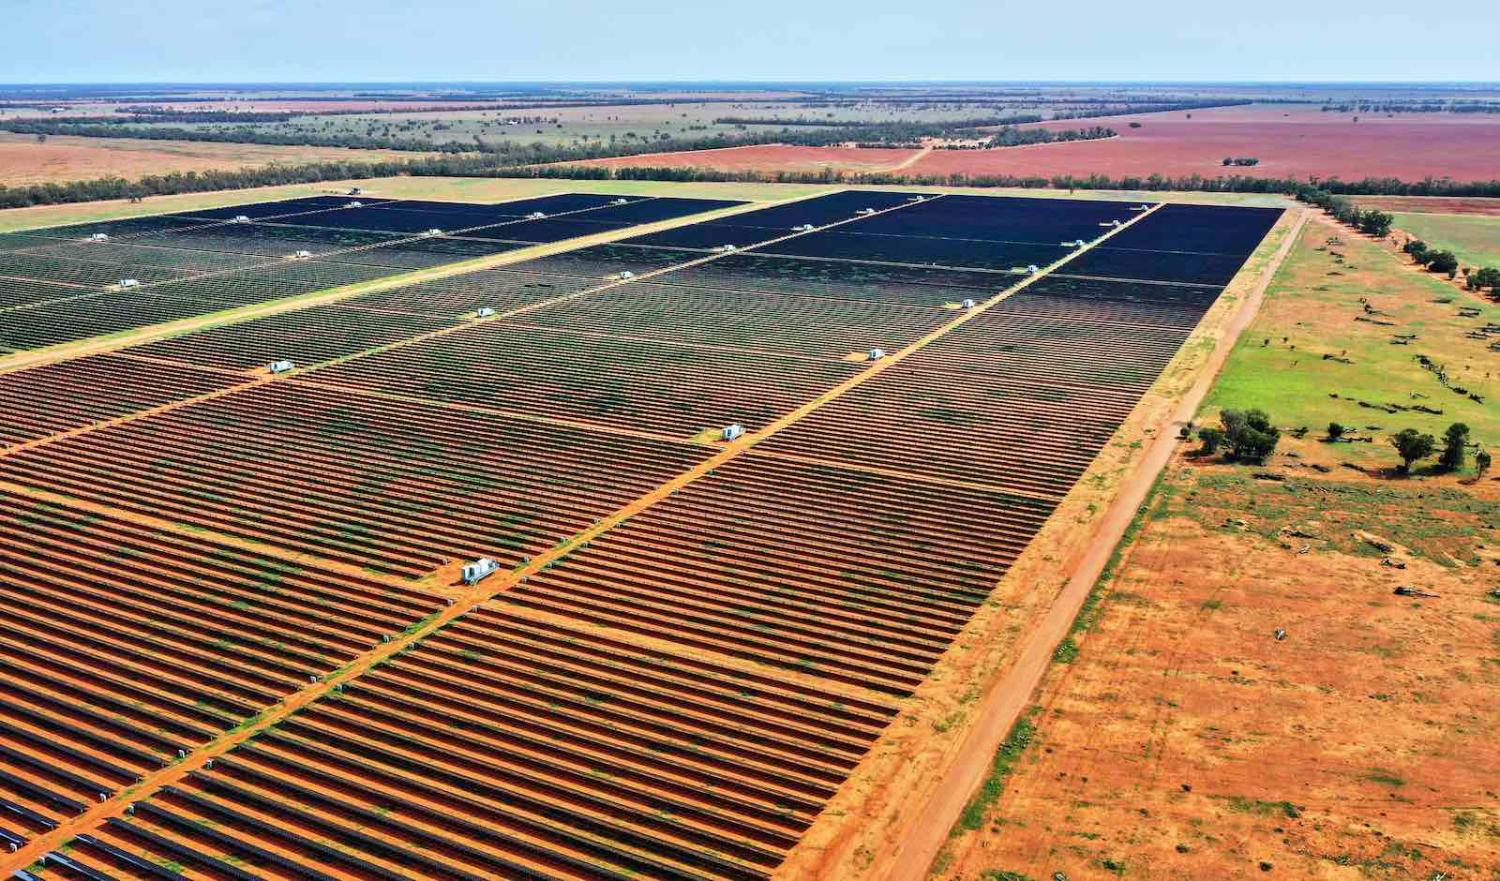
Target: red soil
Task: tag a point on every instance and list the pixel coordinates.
(770, 157)
(1290, 141)
(1295, 142)
(1433, 204)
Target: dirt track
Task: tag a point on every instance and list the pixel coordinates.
(1008, 696)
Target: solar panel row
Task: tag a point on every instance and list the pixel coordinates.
(680, 697)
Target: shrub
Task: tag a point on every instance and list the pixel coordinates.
(1335, 430)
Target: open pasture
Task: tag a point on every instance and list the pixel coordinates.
(725, 630)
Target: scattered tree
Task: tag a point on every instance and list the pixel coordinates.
(1375, 223)
(1484, 277)
(1335, 430)
(1412, 445)
(1443, 261)
(1481, 463)
(1454, 441)
(1249, 435)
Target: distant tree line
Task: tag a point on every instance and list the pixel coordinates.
(1430, 106)
(490, 165)
(1017, 137)
(243, 131)
(1153, 182)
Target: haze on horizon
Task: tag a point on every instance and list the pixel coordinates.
(264, 41)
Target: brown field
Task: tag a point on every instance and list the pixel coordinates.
(1293, 142)
(1187, 742)
(1432, 204)
(23, 161)
(771, 157)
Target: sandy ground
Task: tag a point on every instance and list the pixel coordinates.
(23, 160)
(1187, 742)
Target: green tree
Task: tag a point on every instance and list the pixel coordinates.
(1412, 445)
(1454, 441)
(1443, 261)
(1375, 223)
(1249, 435)
(1212, 438)
(1335, 430)
(1481, 463)
(1484, 277)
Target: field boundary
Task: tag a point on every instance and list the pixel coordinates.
(465, 600)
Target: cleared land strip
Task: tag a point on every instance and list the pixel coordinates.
(111, 342)
(471, 598)
(1009, 695)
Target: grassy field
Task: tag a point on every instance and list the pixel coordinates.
(1474, 238)
(1313, 309)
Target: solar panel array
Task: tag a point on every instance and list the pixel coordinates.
(677, 698)
(63, 284)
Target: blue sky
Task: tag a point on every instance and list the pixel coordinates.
(574, 40)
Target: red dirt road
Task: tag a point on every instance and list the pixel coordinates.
(1009, 695)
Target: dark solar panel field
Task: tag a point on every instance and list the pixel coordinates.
(192, 263)
(680, 695)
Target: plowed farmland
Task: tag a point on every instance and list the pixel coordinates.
(691, 637)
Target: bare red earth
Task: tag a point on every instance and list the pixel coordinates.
(1433, 204)
(1289, 141)
(769, 157)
